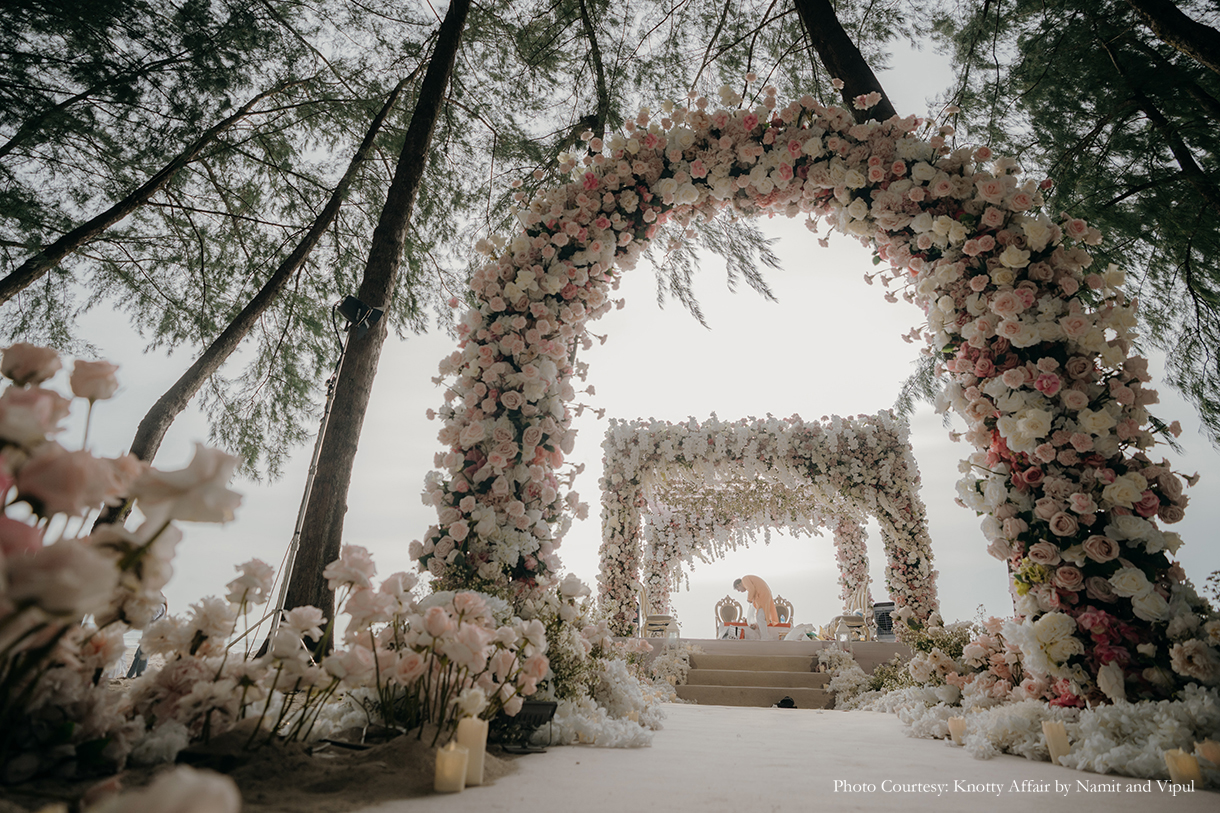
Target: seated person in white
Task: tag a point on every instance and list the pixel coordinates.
(758, 594)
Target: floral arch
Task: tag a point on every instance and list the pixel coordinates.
(692, 490)
(1035, 344)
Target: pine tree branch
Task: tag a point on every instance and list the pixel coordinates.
(1198, 41)
(52, 255)
(32, 124)
(1191, 170)
(161, 416)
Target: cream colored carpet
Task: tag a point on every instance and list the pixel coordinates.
(710, 759)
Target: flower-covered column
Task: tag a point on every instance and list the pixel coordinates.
(851, 551)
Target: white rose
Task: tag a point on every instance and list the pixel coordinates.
(1150, 606)
(1053, 627)
(1110, 680)
(1123, 491)
(1062, 649)
(1095, 423)
(1035, 422)
(1130, 581)
(1014, 257)
(198, 493)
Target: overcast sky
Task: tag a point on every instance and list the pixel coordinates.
(830, 345)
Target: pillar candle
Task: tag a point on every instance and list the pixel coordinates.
(1183, 767)
(450, 768)
(1209, 750)
(957, 729)
(472, 733)
(1056, 739)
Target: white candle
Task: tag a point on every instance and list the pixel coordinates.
(957, 729)
(1209, 750)
(1183, 767)
(472, 733)
(1056, 739)
(450, 768)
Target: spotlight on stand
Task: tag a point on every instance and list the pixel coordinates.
(358, 315)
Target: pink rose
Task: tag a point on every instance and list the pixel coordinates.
(437, 622)
(511, 399)
(991, 190)
(532, 436)
(1074, 400)
(1075, 325)
(1099, 588)
(1043, 553)
(1069, 578)
(1171, 513)
(1101, 548)
(93, 380)
(28, 416)
(1082, 503)
(1063, 524)
(1149, 504)
(17, 538)
(1048, 383)
(56, 481)
(1046, 507)
(27, 364)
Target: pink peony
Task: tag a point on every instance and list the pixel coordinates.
(28, 364)
(28, 416)
(93, 380)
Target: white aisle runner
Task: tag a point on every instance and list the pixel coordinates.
(709, 759)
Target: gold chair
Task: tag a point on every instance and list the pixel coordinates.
(656, 624)
(850, 625)
(728, 614)
(784, 607)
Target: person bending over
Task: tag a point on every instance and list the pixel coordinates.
(758, 594)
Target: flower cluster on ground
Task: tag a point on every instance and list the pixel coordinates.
(67, 597)
(1036, 344)
(969, 670)
(702, 489)
(602, 697)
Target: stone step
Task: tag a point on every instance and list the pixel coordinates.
(743, 677)
(756, 696)
(754, 662)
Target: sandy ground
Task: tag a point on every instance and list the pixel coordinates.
(717, 758)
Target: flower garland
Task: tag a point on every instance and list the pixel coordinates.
(1037, 345)
(713, 486)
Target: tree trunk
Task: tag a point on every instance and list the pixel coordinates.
(158, 420)
(51, 255)
(842, 59)
(322, 533)
(1198, 41)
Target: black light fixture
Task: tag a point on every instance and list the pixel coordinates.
(359, 315)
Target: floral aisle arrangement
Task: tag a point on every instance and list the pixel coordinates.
(709, 487)
(1035, 340)
(66, 599)
(601, 699)
(66, 596)
(970, 670)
